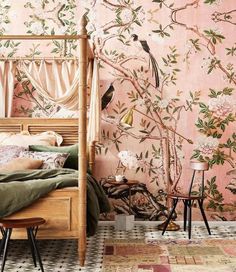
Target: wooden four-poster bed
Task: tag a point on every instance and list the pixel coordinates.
(63, 209)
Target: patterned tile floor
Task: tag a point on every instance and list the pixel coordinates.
(61, 255)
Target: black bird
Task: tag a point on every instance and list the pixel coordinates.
(154, 63)
(107, 96)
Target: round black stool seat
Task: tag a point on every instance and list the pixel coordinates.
(31, 224)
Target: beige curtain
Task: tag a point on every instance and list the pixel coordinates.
(7, 77)
(94, 124)
(58, 81)
(55, 80)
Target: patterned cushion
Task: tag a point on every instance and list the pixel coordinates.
(51, 160)
(71, 162)
(9, 152)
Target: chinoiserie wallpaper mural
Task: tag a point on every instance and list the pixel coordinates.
(167, 71)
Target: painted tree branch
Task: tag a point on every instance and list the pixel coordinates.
(123, 61)
(223, 16)
(114, 5)
(117, 67)
(174, 19)
(127, 25)
(233, 79)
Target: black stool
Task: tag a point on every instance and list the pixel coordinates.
(31, 225)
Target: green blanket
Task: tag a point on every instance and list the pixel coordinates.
(21, 188)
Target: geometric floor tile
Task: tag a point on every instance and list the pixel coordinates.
(61, 255)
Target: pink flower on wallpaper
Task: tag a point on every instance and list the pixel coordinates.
(207, 145)
(222, 106)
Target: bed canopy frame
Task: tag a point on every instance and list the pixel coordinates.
(84, 54)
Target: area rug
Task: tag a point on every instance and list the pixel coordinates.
(202, 255)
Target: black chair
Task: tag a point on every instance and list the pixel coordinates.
(189, 199)
(31, 225)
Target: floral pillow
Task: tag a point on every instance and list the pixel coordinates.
(51, 160)
(9, 152)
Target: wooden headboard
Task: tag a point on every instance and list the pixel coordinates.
(66, 127)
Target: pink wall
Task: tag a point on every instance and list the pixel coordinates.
(193, 43)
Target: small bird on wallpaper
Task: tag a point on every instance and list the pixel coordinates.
(107, 96)
(154, 63)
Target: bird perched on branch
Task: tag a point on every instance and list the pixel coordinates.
(107, 96)
(153, 61)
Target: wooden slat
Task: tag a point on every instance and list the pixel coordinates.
(66, 127)
(10, 128)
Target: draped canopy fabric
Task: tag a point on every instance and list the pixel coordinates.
(56, 80)
(94, 125)
(7, 77)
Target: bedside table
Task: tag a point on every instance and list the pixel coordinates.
(123, 221)
(129, 184)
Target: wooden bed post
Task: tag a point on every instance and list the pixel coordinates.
(82, 137)
(91, 156)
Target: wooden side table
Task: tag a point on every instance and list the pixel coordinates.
(129, 184)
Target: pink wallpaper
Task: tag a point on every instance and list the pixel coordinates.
(174, 62)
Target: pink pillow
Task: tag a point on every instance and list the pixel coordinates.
(21, 164)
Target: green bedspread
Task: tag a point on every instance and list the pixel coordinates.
(21, 188)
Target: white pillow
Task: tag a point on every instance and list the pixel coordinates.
(48, 138)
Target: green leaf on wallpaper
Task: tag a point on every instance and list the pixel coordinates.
(7, 43)
(55, 50)
(214, 36)
(228, 91)
(199, 123)
(144, 131)
(137, 22)
(203, 107)
(231, 51)
(138, 8)
(216, 135)
(213, 94)
(142, 139)
(210, 1)
(177, 108)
